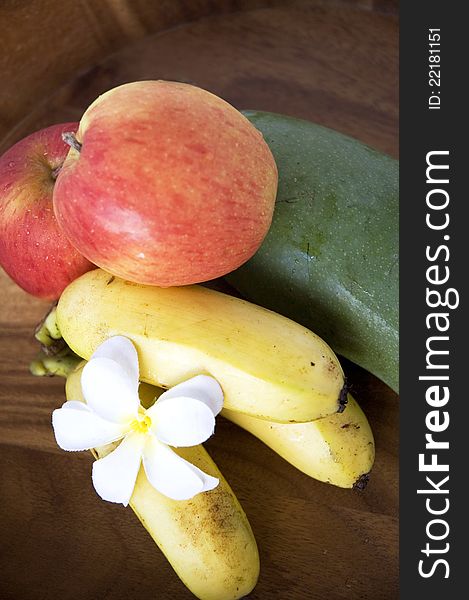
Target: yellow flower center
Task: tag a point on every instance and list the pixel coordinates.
(141, 424)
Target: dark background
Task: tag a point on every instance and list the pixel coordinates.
(421, 131)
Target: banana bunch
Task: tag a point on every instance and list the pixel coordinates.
(281, 382)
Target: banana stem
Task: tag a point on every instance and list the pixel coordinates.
(48, 366)
(55, 357)
(48, 334)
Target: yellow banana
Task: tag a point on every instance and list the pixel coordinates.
(268, 366)
(337, 449)
(208, 539)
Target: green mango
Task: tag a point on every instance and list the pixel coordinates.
(330, 260)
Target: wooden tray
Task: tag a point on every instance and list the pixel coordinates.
(332, 63)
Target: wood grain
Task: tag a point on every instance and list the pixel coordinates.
(44, 43)
(329, 62)
(321, 61)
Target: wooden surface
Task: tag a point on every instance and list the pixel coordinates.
(332, 63)
(45, 43)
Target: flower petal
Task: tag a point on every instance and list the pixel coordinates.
(171, 475)
(204, 388)
(81, 429)
(122, 351)
(76, 404)
(181, 421)
(210, 483)
(114, 475)
(109, 390)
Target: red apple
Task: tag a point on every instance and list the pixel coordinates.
(167, 185)
(33, 249)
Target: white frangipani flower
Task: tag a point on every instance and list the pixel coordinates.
(182, 416)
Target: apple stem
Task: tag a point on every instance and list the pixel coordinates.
(70, 139)
(55, 172)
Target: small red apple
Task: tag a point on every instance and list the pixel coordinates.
(166, 184)
(34, 251)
